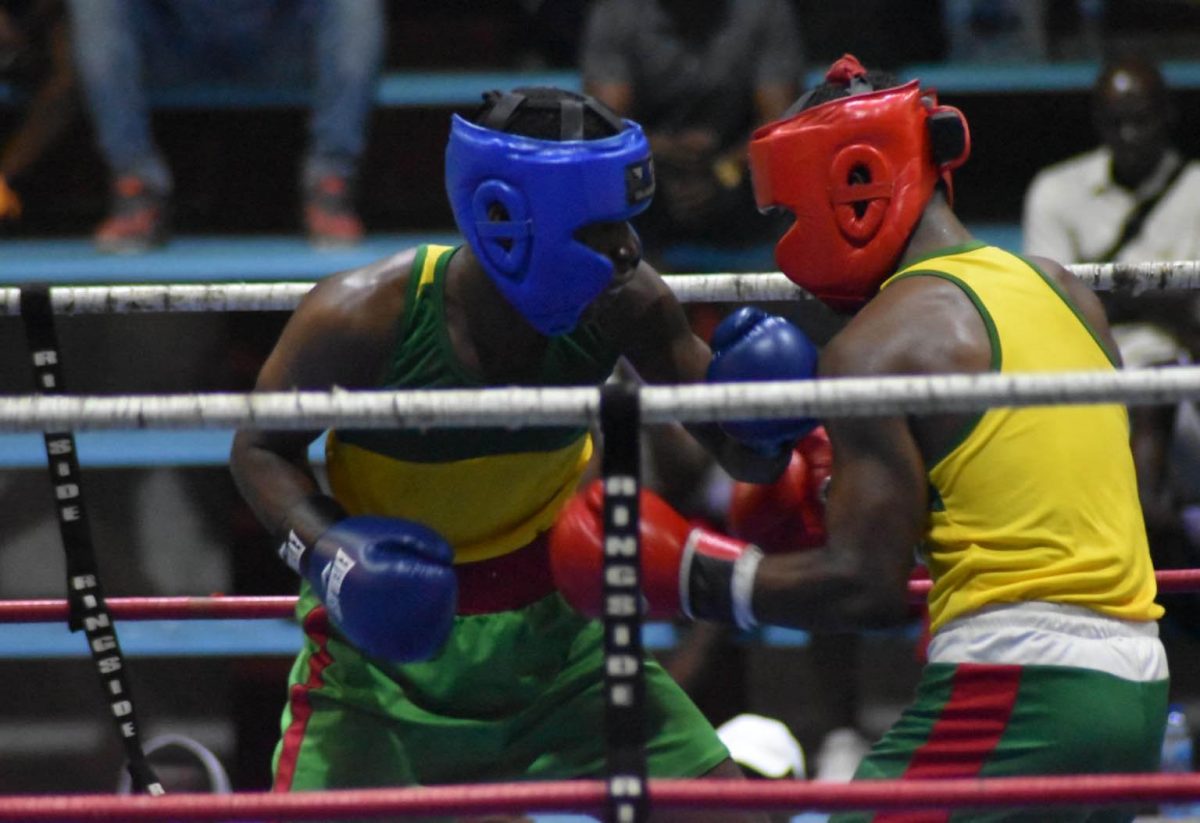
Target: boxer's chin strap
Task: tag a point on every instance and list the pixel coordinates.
(85, 597)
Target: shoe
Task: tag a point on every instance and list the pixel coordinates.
(840, 753)
(329, 215)
(138, 221)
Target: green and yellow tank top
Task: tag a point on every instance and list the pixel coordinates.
(487, 491)
(1010, 520)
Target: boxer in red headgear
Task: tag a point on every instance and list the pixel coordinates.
(857, 173)
(1044, 655)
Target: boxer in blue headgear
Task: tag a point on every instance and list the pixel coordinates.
(546, 190)
(425, 571)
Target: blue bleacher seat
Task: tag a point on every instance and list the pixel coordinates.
(281, 636)
(400, 89)
(74, 260)
(230, 638)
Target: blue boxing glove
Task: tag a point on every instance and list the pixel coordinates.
(750, 344)
(388, 584)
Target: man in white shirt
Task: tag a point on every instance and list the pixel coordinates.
(1134, 197)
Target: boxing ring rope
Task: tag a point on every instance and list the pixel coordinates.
(587, 796)
(510, 407)
(282, 606)
(575, 406)
(688, 288)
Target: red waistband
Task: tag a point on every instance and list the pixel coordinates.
(507, 582)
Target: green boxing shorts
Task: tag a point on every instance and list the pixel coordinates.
(514, 695)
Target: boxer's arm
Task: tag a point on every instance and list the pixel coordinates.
(339, 335)
(876, 511)
(874, 517)
(1085, 300)
(858, 578)
(387, 583)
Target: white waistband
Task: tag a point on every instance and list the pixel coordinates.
(1051, 634)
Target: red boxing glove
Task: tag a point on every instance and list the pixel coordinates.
(788, 514)
(684, 569)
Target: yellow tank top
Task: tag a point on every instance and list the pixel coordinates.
(487, 491)
(1034, 503)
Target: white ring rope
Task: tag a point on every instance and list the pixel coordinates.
(689, 288)
(174, 298)
(517, 407)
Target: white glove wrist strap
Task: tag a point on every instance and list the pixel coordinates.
(309, 518)
(742, 587)
(685, 572)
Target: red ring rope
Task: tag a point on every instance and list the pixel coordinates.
(1170, 581)
(588, 796)
(155, 608)
(223, 607)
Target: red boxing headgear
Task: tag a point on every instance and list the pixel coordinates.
(856, 172)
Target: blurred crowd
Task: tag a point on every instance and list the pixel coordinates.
(81, 78)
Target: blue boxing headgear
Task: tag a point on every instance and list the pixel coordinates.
(549, 189)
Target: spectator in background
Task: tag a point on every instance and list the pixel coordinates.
(899, 34)
(124, 49)
(1136, 198)
(699, 75)
(35, 51)
(995, 31)
(549, 32)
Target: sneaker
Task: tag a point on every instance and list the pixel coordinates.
(329, 215)
(840, 753)
(138, 220)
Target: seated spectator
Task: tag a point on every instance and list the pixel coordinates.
(1132, 198)
(35, 52)
(699, 75)
(124, 49)
(899, 34)
(995, 31)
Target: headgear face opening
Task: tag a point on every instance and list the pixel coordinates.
(857, 172)
(548, 189)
